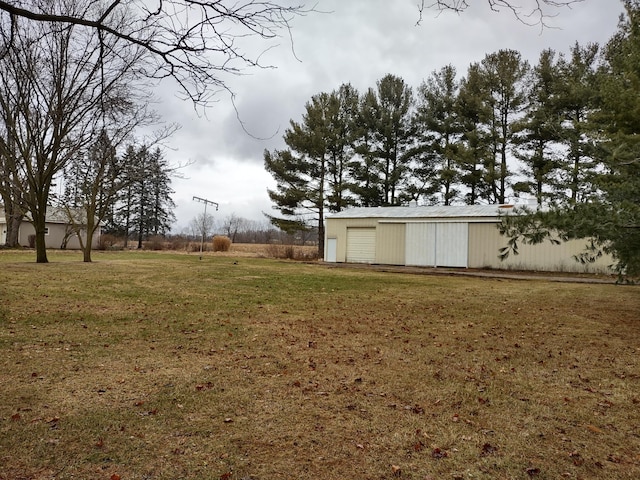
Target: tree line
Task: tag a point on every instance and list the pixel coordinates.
(504, 129)
(243, 230)
(128, 194)
(561, 131)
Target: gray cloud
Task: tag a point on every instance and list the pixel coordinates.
(358, 42)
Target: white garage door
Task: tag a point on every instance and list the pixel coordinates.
(361, 245)
(437, 244)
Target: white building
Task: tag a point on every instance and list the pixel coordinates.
(443, 236)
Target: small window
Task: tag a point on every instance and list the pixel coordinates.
(46, 230)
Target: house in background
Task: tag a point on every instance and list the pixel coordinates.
(59, 232)
(443, 236)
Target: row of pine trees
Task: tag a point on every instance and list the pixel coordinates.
(504, 129)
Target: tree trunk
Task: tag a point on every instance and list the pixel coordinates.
(13, 230)
(88, 244)
(13, 217)
(39, 214)
(39, 224)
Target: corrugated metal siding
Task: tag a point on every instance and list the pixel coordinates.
(485, 241)
(452, 244)
(361, 245)
(55, 236)
(421, 244)
(437, 244)
(390, 244)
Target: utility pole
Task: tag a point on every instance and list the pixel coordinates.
(204, 217)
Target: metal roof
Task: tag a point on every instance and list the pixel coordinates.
(438, 211)
(54, 215)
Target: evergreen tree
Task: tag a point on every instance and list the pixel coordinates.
(576, 100)
(617, 216)
(364, 171)
(145, 207)
(119, 220)
(538, 133)
(341, 135)
(439, 130)
(385, 143)
(474, 150)
(160, 214)
(312, 174)
(609, 214)
(503, 74)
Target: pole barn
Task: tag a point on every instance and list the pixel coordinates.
(444, 236)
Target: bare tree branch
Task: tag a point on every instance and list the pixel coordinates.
(195, 42)
(537, 12)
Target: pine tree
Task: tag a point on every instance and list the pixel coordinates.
(145, 207)
(609, 213)
(537, 135)
(617, 216)
(364, 172)
(439, 130)
(577, 91)
(503, 74)
(312, 174)
(160, 213)
(474, 151)
(385, 143)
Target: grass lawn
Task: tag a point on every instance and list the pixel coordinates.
(163, 366)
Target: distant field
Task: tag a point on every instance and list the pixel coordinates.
(148, 365)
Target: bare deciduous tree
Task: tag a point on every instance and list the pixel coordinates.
(232, 224)
(63, 85)
(201, 226)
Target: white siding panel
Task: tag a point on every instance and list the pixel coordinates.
(452, 244)
(437, 244)
(420, 244)
(361, 245)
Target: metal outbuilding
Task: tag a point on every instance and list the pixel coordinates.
(58, 230)
(443, 236)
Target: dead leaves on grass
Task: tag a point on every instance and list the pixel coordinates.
(488, 449)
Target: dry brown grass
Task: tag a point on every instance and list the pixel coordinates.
(292, 252)
(149, 366)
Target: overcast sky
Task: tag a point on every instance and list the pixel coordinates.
(357, 42)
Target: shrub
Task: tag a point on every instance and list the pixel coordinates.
(177, 243)
(221, 243)
(195, 247)
(291, 252)
(155, 243)
(106, 242)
